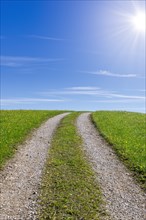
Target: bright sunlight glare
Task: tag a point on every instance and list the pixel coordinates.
(138, 22)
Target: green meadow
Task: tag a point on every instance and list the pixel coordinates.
(126, 132)
(15, 125)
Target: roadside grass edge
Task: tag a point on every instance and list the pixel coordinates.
(16, 126)
(139, 176)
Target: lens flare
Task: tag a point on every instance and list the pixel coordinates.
(138, 22)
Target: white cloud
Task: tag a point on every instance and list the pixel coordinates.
(74, 91)
(45, 38)
(128, 96)
(27, 101)
(84, 88)
(12, 61)
(110, 74)
(92, 91)
(118, 101)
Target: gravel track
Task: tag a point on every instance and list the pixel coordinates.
(124, 199)
(20, 179)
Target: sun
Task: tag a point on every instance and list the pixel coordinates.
(138, 21)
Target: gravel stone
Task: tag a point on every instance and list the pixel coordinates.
(124, 198)
(20, 179)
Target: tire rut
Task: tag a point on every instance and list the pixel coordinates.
(20, 179)
(124, 199)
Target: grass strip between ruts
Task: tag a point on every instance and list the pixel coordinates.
(15, 125)
(126, 132)
(69, 189)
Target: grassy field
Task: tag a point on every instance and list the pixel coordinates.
(69, 189)
(15, 126)
(126, 132)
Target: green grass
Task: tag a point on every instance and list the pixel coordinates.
(69, 189)
(15, 125)
(126, 132)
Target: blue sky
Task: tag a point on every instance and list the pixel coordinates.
(75, 55)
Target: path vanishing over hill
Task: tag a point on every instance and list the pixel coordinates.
(20, 179)
(124, 199)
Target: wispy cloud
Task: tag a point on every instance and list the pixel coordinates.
(128, 96)
(45, 38)
(117, 101)
(74, 91)
(83, 88)
(12, 61)
(110, 74)
(27, 101)
(94, 92)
